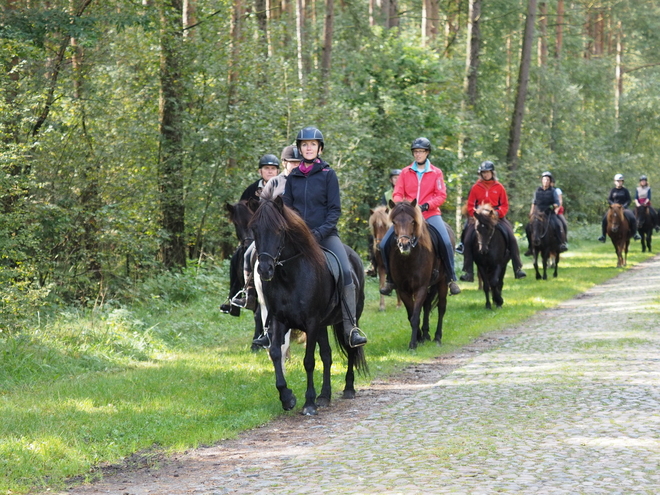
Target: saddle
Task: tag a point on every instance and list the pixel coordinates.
(332, 262)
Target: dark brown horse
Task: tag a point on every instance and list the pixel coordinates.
(301, 292)
(416, 270)
(490, 253)
(379, 222)
(645, 224)
(620, 233)
(543, 240)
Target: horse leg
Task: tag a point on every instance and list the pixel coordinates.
(425, 320)
(496, 285)
(486, 285)
(351, 354)
(554, 275)
(381, 284)
(420, 297)
(442, 309)
(536, 265)
(313, 332)
(287, 397)
(323, 400)
(259, 325)
(544, 257)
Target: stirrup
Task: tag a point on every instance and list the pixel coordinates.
(360, 334)
(240, 299)
(263, 340)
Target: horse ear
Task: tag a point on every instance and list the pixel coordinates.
(279, 203)
(229, 207)
(414, 203)
(391, 204)
(371, 211)
(253, 204)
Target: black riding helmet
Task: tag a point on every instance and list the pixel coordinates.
(269, 159)
(310, 134)
(421, 143)
(486, 166)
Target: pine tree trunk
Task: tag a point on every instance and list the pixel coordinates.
(472, 59)
(560, 29)
(543, 35)
(327, 48)
(170, 160)
(521, 92)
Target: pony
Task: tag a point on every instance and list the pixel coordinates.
(300, 291)
(619, 231)
(379, 222)
(240, 215)
(418, 274)
(490, 253)
(645, 225)
(544, 241)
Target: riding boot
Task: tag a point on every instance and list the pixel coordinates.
(389, 286)
(353, 335)
(515, 253)
(246, 298)
(603, 229)
(468, 275)
(263, 340)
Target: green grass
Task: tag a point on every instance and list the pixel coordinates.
(170, 372)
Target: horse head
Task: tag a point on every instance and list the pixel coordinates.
(485, 220)
(379, 222)
(408, 225)
(240, 215)
(280, 235)
(615, 217)
(540, 223)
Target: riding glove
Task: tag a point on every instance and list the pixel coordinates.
(424, 206)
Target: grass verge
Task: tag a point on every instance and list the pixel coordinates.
(84, 389)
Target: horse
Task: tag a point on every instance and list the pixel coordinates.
(417, 272)
(300, 291)
(620, 233)
(544, 241)
(379, 222)
(490, 253)
(240, 215)
(645, 225)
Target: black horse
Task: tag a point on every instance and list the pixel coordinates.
(490, 253)
(646, 222)
(301, 292)
(240, 215)
(544, 241)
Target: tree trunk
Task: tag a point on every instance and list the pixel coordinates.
(521, 92)
(327, 48)
(170, 160)
(618, 76)
(393, 14)
(472, 58)
(543, 38)
(262, 22)
(560, 29)
(300, 26)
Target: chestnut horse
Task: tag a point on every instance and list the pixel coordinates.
(417, 272)
(620, 233)
(490, 253)
(379, 222)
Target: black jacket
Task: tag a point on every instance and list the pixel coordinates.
(544, 198)
(316, 198)
(619, 196)
(252, 191)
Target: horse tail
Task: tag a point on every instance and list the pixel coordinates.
(359, 357)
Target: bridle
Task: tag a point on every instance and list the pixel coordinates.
(411, 239)
(276, 259)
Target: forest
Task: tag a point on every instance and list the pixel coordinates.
(126, 125)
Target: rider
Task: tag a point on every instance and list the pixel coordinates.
(395, 173)
(424, 182)
(546, 199)
(268, 168)
(489, 190)
(273, 188)
(312, 190)
(643, 198)
(620, 195)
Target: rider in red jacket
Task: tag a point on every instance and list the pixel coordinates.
(488, 190)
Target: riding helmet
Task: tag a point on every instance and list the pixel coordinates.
(421, 143)
(269, 160)
(486, 166)
(548, 174)
(618, 177)
(291, 154)
(395, 171)
(643, 177)
(310, 134)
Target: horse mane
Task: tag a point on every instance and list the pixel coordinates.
(486, 211)
(270, 216)
(379, 219)
(421, 230)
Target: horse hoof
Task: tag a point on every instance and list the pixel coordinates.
(309, 411)
(412, 346)
(289, 404)
(322, 402)
(255, 348)
(348, 394)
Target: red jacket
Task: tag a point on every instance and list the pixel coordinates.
(431, 189)
(488, 192)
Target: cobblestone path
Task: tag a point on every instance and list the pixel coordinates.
(568, 404)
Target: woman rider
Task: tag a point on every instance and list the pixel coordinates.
(312, 190)
(643, 198)
(489, 190)
(424, 182)
(620, 195)
(546, 198)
